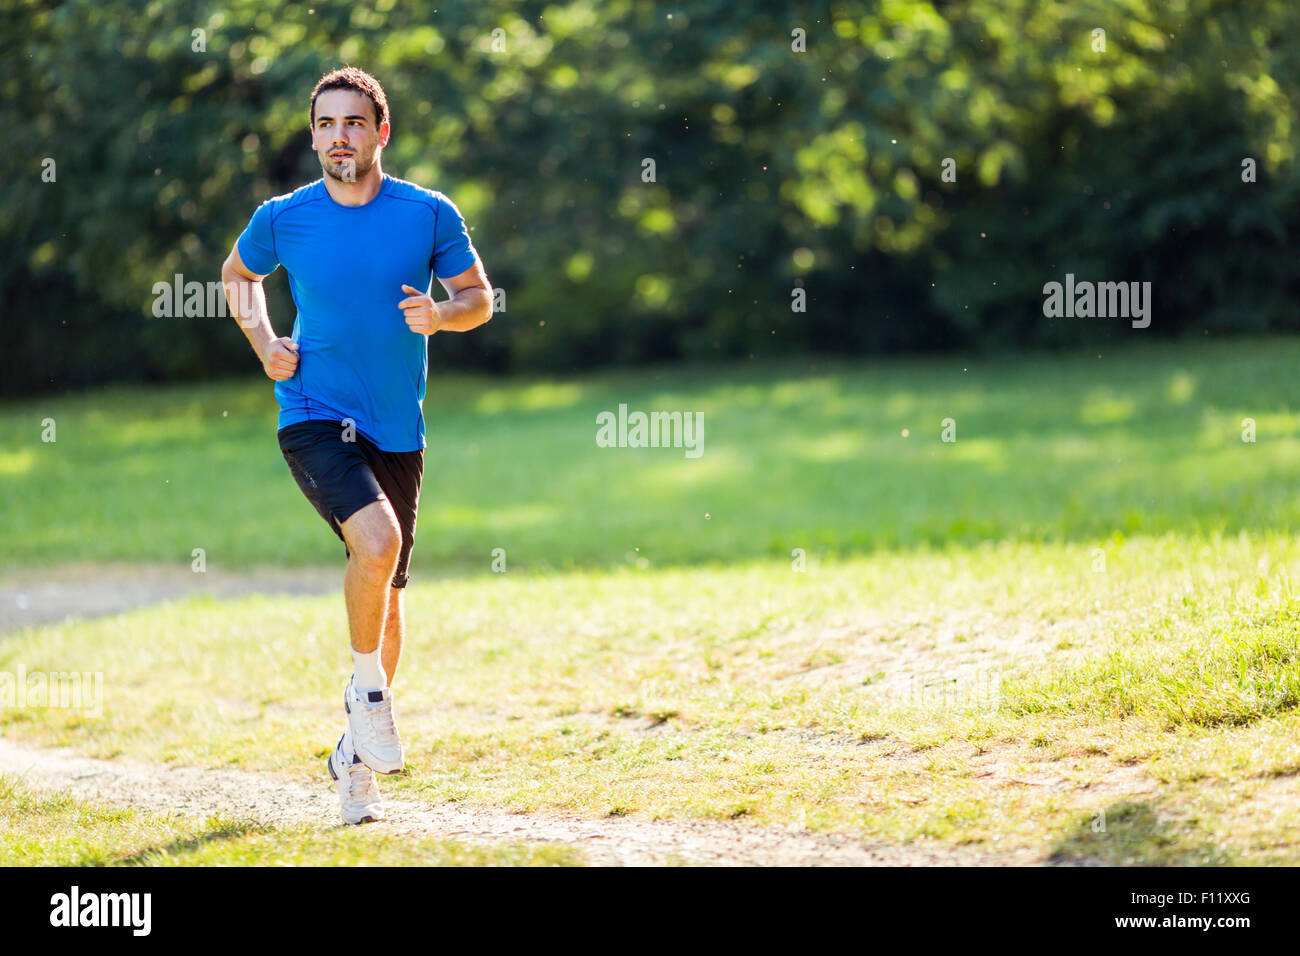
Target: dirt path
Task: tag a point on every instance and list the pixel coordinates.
(40, 596)
(617, 841)
(35, 596)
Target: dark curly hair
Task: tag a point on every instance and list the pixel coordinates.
(350, 78)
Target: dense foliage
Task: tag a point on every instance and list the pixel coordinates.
(774, 170)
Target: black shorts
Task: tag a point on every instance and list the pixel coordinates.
(341, 477)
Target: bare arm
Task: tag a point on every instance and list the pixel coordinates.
(469, 307)
(247, 300)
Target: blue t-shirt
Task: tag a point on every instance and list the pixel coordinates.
(357, 359)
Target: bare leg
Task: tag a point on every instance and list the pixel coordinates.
(393, 633)
(374, 540)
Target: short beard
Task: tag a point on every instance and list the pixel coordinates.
(360, 171)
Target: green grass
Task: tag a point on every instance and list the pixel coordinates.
(970, 697)
(38, 828)
(1082, 610)
(1240, 672)
(797, 455)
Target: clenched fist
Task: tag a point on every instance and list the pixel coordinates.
(280, 359)
(422, 313)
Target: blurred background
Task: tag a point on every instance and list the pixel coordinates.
(917, 483)
(168, 123)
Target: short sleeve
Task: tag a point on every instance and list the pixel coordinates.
(257, 242)
(453, 252)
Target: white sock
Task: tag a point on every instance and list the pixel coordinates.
(367, 671)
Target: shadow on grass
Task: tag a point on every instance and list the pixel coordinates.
(837, 457)
(1133, 833)
(216, 833)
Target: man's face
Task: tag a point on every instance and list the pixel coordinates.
(344, 134)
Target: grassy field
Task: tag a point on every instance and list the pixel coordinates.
(809, 455)
(1073, 630)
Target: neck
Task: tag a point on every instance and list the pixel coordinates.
(357, 193)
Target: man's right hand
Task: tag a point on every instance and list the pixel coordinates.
(280, 359)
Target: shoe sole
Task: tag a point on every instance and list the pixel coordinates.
(400, 768)
(329, 765)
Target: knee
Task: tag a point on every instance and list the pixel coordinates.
(380, 545)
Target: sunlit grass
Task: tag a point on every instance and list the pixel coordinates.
(1048, 449)
(1083, 606)
(897, 697)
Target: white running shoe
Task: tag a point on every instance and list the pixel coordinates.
(358, 790)
(374, 733)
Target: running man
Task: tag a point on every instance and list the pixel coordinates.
(359, 248)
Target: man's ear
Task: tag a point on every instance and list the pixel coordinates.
(385, 129)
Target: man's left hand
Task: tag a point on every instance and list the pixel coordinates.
(422, 313)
